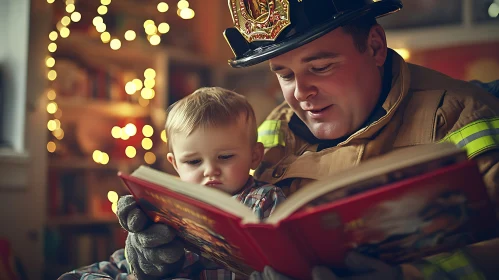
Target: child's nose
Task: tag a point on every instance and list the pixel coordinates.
(211, 170)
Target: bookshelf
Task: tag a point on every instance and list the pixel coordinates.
(91, 100)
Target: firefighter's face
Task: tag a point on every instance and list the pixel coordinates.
(330, 84)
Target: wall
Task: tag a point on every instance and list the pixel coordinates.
(467, 62)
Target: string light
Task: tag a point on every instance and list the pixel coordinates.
(105, 37)
(76, 16)
(147, 130)
(163, 28)
(130, 152)
(162, 7)
(54, 125)
(115, 44)
(147, 143)
(130, 35)
(149, 158)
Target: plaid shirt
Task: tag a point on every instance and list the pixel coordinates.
(261, 197)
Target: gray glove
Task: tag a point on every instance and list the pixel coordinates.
(153, 250)
(363, 268)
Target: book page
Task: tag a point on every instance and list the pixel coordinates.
(211, 196)
(377, 172)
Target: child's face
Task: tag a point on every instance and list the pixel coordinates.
(218, 157)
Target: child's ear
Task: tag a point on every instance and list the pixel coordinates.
(171, 159)
(257, 155)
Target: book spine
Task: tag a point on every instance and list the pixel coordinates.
(278, 250)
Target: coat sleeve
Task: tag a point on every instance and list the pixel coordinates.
(117, 268)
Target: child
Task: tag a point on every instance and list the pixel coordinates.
(212, 139)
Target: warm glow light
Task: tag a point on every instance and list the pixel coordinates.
(52, 108)
(102, 10)
(105, 2)
(101, 27)
(187, 13)
(57, 124)
(163, 27)
(52, 125)
(182, 4)
(53, 35)
(70, 2)
(155, 40)
(76, 16)
(147, 93)
(52, 75)
(50, 62)
(130, 129)
(149, 158)
(162, 7)
(58, 133)
(130, 152)
(114, 207)
(112, 196)
(138, 84)
(404, 53)
(70, 8)
(97, 20)
(52, 47)
(151, 29)
(51, 147)
(115, 44)
(51, 94)
(130, 88)
(124, 136)
(59, 25)
(130, 35)
(147, 143)
(65, 20)
(147, 130)
(163, 136)
(149, 83)
(148, 22)
(143, 102)
(493, 10)
(97, 156)
(50, 1)
(104, 158)
(64, 32)
(116, 132)
(149, 73)
(105, 37)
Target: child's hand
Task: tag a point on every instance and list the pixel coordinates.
(151, 249)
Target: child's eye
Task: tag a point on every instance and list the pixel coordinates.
(193, 162)
(225, 157)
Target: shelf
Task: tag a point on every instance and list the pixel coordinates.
(75, 220)
(135, 53)
(118, 109)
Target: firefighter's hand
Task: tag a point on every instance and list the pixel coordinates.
(153, 250)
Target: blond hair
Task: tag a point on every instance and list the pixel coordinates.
(209, 107)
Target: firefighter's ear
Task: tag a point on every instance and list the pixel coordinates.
(376, 45)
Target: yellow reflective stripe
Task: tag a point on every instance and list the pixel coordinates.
(477, 136)
(270, 135)
(457, 265)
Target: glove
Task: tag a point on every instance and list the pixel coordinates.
(362, 268)
(153, 250)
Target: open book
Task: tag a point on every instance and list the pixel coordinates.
(404, 205)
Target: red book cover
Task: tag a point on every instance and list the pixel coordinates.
(408, 208)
